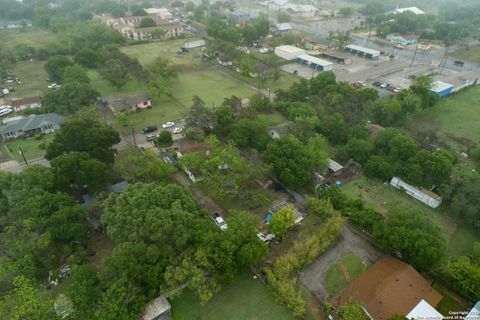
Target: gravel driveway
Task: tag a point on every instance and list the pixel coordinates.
(349, 242)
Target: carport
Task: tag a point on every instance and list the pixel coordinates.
(363, 52)
(315, 63)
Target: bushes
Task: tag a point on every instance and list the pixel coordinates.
(302, 253)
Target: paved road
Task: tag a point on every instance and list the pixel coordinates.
(16, 167)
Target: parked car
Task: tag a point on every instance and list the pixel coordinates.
(178, 130)
(149, 129)
(5, 111)
(151, 137)
(219, 221)
(265, 238)
(459, 63)
(384, 85)
(377, 83)
(54, 86)
(168, 125)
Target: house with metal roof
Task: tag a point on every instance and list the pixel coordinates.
(280, 28)
(31, 125)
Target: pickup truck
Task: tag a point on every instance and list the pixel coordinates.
(219, 221)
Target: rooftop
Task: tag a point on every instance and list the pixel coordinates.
(290, 49)
(414, 10)
(390, 287)
(32, 122)
(423, 310)
(315, 60)
(122, 102)
(22, 102)
(157, 307)
(363, 49)
(334, 165)
(283, 26)
(439, 86)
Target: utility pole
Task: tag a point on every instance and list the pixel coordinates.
(414, 54)
(134, 139)
(23, 156)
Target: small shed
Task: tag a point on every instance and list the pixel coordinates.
(442, 89)
(158, 309)
(334, 167)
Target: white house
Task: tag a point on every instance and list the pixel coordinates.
(429, 198)
(413, 10)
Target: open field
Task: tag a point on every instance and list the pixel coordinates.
(33, 77)
(29, 147)
(243, 299)
(32, 37)
(107, 89)
(146, 53)
(211, 86)
(384, 198)
(342, 273)
(472, 54)
(455, 119)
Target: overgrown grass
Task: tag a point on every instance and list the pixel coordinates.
(211, 86)
(471, 54)
(385, 198)
(335, 282)
(107, 89)
(33, 77)
(243, 299)
(32, 37)
(147, 53)
(354, 265)
(455, 119)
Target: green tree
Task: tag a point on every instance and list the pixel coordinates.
(200, 117)
(115, 72)
(78, 170)
(352, 310)
(463, 275)
(55, 67)
(281, 221)
(358, 149)
(70, 98)
(75, 74)
(88, 58)
(251, 133)
(84, 135)
(165, 138)
(26, 302)
(464, 199)
(158, 33)
(379, 167)
(141, 167)
(225, 119)
(147, 23)
(342, 38)
(83, 289)
(293, 162)
(418, 239)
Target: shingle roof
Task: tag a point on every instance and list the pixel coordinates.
(32, 122)
(390, 287)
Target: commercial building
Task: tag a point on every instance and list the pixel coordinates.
(363, 52)
(459, 80)
(390, 287)
(442, 89)
(288, 52)
(315, 63)
(337, 57)
(427, 197)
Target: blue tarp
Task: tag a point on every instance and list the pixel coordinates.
(268, 218)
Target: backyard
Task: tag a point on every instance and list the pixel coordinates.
(33, 77)
(385, 197)
(31, 148)
(244, 299)
(340, 274)
(455, 119)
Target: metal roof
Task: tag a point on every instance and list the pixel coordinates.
(290, 49)
(363, 49)
(315, 60)
(439, 86)
(283, 26)
(334, 165)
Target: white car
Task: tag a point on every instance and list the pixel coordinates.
(4, 112)
(168, 125)
(151, 137)
(53, 86)
(177, 130)
(219, 221)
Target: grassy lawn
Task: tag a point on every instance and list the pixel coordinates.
(455, 119)
(32, 37)
(243, 299)
(209, 85)
(448, 302)
(33, 77)
(335, 280)
(384, 198)
(29, 147)
(146, 53)
(107, 89)
(472, 54)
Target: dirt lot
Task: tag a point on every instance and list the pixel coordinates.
(349, 242)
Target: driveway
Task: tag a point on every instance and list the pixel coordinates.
(349, 242)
